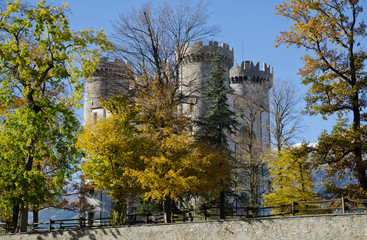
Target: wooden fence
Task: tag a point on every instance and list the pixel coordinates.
(341, 206)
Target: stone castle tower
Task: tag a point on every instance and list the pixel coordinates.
(246, 78)
(194, 70)
(112, 78)
(109, 79)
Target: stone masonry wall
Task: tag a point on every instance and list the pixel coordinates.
(350, 226)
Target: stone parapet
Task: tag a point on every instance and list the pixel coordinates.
(113, 68)
(199, 52)
(248, 71)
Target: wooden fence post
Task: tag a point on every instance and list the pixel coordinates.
(191, 217)
(81, 222)
(204, 213)
(293, 208)
(50, 225)
(7, 227)
(343, 205)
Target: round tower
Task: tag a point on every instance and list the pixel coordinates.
(110, 79)
(195, 69)
(247, 71)
(247, 79)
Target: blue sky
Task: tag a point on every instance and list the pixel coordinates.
(248, 23)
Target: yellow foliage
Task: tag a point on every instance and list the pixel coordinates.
(290, 175)
(15, 103)
(148, 150)
(334, 33)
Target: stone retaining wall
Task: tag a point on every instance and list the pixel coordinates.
(346, 227)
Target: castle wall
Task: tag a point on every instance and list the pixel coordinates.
(333, 227)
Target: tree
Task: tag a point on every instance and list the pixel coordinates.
(39, 59)
(114, 145)
(128, 154)
(335, 70)
(67, 198)
(334, 159)
(218, 121)
(291, 177)
(285, 120)
(152, 38)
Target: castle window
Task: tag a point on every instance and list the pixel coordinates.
(191, 106)
(95, 116)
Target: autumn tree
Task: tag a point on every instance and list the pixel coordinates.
(290, 177)
(67, 198)
(159, 101)
(284, 117)
(129, 155)
(113, 144)
(42, 62)
(152, 39)
(333, 33)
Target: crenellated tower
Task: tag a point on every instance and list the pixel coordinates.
(195, 69)
(110, 78)
(247, 71)
(246, 78)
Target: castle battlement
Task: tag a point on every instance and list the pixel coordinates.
(116, 67)
(248, 71)
(210, 44)
(111, 78)
(199, 52)
(249, 66)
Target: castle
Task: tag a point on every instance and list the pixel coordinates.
(112, 78)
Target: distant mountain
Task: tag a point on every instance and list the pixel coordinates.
(55, 214)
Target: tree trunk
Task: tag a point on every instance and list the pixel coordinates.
(22, 219)
(35, 217)
(222, 205)
(14, 222)
(167, 210)
(360, 165)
